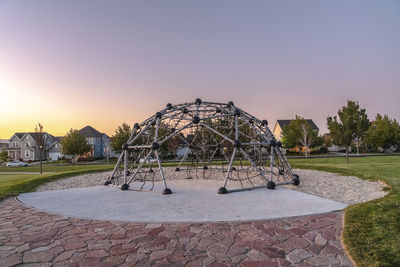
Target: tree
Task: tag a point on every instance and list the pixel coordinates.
(74, 143)
(120, 137)
(384, 132)
(362, 126)
(42, 143)
(173, 144)
(3, 155)
(349, 125)
(327, 140)
(300, 133)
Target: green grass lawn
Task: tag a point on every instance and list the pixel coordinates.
(14, 184)
(372, 230)
(56, 168)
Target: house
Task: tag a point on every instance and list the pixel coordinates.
(100, 142)
(3, 144)
(24, 146)
(55, 150)
(280, 124)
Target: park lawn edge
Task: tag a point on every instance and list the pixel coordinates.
(31, 185)
(357, 216)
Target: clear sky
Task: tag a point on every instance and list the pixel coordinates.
(68, 64)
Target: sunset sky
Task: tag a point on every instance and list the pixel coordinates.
(68, 64)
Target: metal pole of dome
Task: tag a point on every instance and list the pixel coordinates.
(125, 165)
(272, 164)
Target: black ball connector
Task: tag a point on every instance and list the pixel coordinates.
(271, 185)
(205, 168)
(169, 106)
(217, 110)
(251, 121)
(196, 120)
(177, 169)
(222, 190)
(158, 115)
(185, 111)
(155, 146)
(264, 123)
(279, 144)
(219, 145)
(153, 123)
(281, 172)
(237, 144)
(124, 187)
(172, 130)
(198, 101)
(233, 169)
(272, 143)
(167, 191)
(296, 180)
(107, 183)
(151, 171)
(125, 146)
(237, 112)
(136, 126)
(231, 104)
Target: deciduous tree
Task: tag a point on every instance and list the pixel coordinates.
(42, 143)
(300, 133)
(173, 144)
(348, 126)
(74, 143)
(362, 126)
(120, 137)
(384, 132)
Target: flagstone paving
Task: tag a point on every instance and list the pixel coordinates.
(32, 237)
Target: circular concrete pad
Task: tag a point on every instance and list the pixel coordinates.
(184, 205)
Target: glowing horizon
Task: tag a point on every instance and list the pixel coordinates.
(71, 64)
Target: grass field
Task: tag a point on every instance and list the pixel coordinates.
(14, 184)
(372, 230)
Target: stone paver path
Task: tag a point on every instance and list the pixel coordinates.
(33, 237)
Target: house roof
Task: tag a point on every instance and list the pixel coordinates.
(284, 123)
(19, 135)
(58, 138)
(35, 135)
(89, 131)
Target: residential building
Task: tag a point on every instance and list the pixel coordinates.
(24, 146)
(55, 151)
(100, 142)
(3, 144)
(280, 124)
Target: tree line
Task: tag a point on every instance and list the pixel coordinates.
(350, 127)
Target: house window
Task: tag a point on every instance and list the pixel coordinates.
(14, 144)
(27, 154)
(28, 144)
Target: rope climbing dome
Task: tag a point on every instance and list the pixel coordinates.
(213, 140)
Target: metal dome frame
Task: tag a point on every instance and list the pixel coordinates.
(270, 164)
